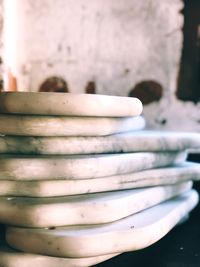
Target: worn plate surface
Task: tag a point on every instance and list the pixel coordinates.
(36, 125)
(18, 167)
(69, 104)
(83, 209)
(12, 258)
(131, 233)
(126, 142)
(51, 188)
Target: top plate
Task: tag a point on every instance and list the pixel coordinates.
(69, 104)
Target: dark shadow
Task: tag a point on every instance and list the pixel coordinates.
(189, 75)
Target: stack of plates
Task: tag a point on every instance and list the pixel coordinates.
(81, 181)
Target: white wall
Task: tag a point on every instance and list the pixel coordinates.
(114, 43)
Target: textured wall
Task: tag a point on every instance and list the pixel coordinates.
(116, 44)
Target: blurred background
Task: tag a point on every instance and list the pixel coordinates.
(149, 49)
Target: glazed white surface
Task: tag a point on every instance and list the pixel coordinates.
(124, 142)
(131, 233)
(84, 209)
(38, 125)
(69, 104)
(30, 167)
(12, 258)
(51, 188)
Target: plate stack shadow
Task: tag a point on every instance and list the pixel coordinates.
(81, 181)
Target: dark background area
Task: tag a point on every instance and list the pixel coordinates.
(179, 248)
(189, 76)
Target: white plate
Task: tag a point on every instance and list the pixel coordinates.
(69, 104)
(35, 125)
(84, 209)
(18, 167)
(12, 258)
(131, 233)
(126, 142)
(52, 188)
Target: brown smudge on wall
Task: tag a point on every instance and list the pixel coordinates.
(90, 88)
(54, 84)
(147, 91)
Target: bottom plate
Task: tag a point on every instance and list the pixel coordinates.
(131, 233)
(11, 258)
